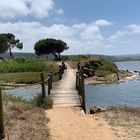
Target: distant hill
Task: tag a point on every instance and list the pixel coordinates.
(129, 57)
(79, 57)
(115, 58)
(107, 57)
(15, 54)
(6, 55)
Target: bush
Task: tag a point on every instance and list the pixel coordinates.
(103, 67)
(46, 103)
(22, 64)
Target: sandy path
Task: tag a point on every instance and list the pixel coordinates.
(71, 124)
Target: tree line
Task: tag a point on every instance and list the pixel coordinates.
(8, 41)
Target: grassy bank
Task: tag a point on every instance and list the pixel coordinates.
(23, 120)
(21, 64)
(25, 70)
(24, 77)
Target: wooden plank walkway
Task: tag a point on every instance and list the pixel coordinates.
(64, 93)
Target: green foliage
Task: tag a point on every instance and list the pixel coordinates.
(46, 103)
(22, 65)
(76, 57)
(23, 77)
(3, 43)
(103, 67)
(47, 46)
(12, 42)
(26, 77)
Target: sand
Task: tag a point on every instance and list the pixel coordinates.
(71, 123)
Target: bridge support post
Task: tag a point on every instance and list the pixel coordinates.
(117, 75)
(83, 90)
(77, 80)
(49, 84)
(2, 135)
(51, 80)
(43, 86)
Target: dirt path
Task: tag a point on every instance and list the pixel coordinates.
(72, 124)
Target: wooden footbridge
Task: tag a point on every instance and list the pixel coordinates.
(64, 92)
(69, 91)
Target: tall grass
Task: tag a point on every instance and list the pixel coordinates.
(22, 64)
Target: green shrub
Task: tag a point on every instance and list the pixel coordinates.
(46, 103)
(103, 67)
(22, 64)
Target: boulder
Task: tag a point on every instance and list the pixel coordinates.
(95, 109)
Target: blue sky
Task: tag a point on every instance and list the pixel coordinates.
(108, 27)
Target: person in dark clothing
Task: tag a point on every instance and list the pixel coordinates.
(64, 65)
(61, 71)
(78, 66)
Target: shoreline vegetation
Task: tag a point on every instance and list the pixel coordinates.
(24, 120)
(124, 121)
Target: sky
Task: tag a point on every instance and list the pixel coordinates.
(108, 27)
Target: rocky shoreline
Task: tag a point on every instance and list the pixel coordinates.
(120, 76)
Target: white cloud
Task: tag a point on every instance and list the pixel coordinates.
(12, 8)
(41, 8)
(103, 22)
(118, 35)
(92, 32)
(129, 30)
(134, 28)
(60, 11)
(81, 38)
(36, 8)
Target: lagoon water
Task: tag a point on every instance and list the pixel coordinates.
(25, 92)
(124, 93)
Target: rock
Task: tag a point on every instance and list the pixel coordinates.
(100, 78)
(85, 75)
(95, 109)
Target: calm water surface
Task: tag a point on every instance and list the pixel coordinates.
(25, 92)
(125, 93)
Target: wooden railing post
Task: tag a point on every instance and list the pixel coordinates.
(51, 80)
(79, 85)
(77, 78)
(2, 135)
(60, 70)
(117, 76)
(83, 90)
(43, 85)
(49, 85)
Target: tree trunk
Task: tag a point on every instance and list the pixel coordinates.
(1, 58)
(11, 53)
(59, 56)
